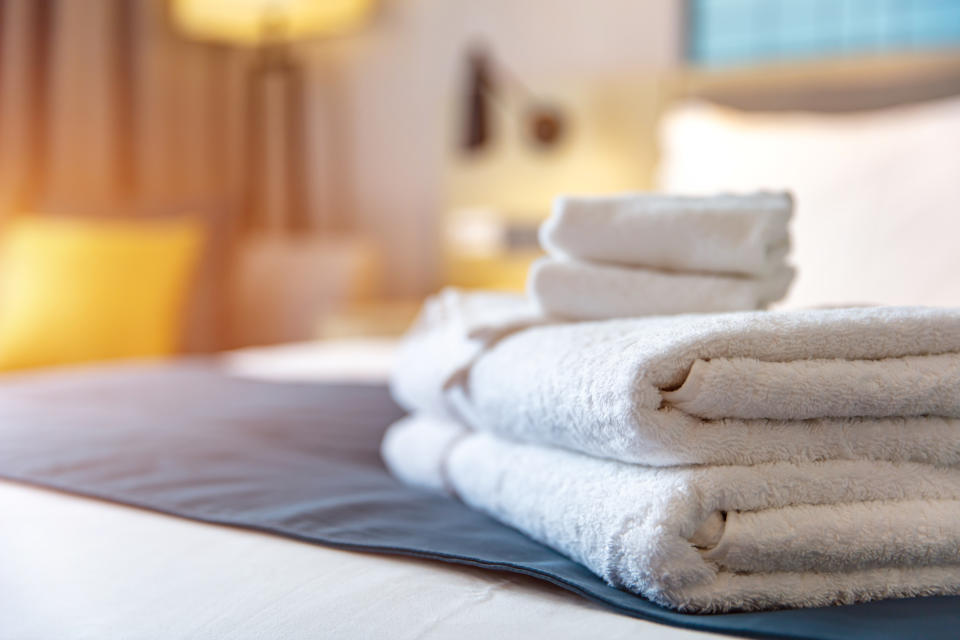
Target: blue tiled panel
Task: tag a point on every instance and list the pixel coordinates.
(729, 32)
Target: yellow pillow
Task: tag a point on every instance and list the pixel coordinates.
(73, 290)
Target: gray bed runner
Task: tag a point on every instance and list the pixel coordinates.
(301, 461)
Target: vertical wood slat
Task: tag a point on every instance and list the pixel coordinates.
(153, 89)
(185, 158)
(3, 59)
(15, 96)
(254, 149)
(8, 109)
(298, 213)
(126, 62)
(81, 123)
(38, 62)
(217, 123)
(180, 114)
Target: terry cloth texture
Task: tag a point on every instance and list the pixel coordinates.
(591, 291)
(733, 234)
(708, 538)
(609, 388)
(300, 461)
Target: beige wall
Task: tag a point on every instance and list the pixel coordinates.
(381, 98)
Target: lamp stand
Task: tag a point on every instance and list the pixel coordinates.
(275, 180)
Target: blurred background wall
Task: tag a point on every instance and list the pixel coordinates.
(341, 173)
(395, 83)
(108, 109)
(103, 108)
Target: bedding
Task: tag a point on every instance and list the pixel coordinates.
(300, 461)
(118, 572)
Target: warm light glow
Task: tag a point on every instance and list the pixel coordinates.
(255, 21)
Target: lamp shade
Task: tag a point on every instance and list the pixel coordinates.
(252, 22)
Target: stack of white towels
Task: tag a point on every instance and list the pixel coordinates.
(625, 256)
(709, 461)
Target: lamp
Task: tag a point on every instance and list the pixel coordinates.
(275, 93)
(276, 295)
(244, 21)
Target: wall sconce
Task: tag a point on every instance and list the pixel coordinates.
(490, 85)
(511, 150)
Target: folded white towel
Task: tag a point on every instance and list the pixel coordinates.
(708, 538)
(453, 328)
(785, 385)
(750, 388)
(590, 291)
(740, 234)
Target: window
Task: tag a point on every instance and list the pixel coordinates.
(733, 32)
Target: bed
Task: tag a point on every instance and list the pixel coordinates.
(74, 566)
(81, 567)
(260, 508)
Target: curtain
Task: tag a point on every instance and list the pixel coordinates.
(103, 107)
(105, 111)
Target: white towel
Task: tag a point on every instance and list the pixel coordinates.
(786, 385)
(453, 328)
(739, 234)
(748, 388)
(708, 538)
(589, 291)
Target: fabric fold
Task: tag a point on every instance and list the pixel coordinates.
(590, 291)
(732, 234)
(785, 539)
(858, 383)
(909, 386)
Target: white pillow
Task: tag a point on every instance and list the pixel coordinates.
(877, 193)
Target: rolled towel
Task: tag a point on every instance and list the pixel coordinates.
(590, 291)
(708, 538)
(735, 388)
(736, 234)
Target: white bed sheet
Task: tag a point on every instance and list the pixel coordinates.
(73, 567)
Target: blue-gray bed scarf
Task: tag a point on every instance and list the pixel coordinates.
(301, 461)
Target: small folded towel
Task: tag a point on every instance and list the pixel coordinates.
(734, 388)
(707, 538)
(590, 291)
(733, 234)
